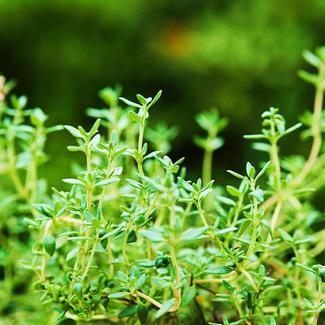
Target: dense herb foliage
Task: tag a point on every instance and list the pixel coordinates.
(130, 240)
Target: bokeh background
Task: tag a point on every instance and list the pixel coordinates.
(239, 56)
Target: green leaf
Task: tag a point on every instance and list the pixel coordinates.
(38, 117)
(215, 143)
(94, 128)
(235, 174)
(49, 244)
(258, 194)
(226, 200)
(141, 281)
(122, 276)
(285, 236)
(165, 307)
(95, 141)
(152, 235)
(268, 227)
(218, 270)
(311, 58)
(73, 181)
(200, 142)
(142, 312)
(155, 99)
(293, 128)
(263, 170)
(132, 237)
(193, 233)
(118, 295)
(128, 311)
(259, 146)
(255, 136)
(72, 253)
(134, 117)
(75, 148)
(188, 295)
(75, 238)
(108, 181)
(226, 230)
(233, 191)
(308, 304)
(153, 183)
(114, 231)
(228, 286)
(269, 320)
(134, 183)
(309, 77)
(142, 100)
(250, 170)
(75, 132)
(129, 103)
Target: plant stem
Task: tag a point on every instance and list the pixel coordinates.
(125, 239)
(297, 289)
(319, 294)
(89, 189)
(201, 214)
(110, 260)
(173, 244)
(102, 196)
(47, 230)
(316, 145)
(23, 193)
(254, 210)
(316, 131)
(229, 277)
(207, 166)
(92, 254)
(276, 162)
(252, 241)
(275, 216)
(140, 145)
(177, 289)
(247, 275)
(148, 298)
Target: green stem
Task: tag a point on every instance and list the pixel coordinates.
(254, 210)
(141, 134)
(102, 196)
(247, 276)
(125, 239)
(207, 166)
(23, 193)
(201, 214)
(89, 189)
(173, 245)
(252, 242)
(275, 216)
(91, 257)
(276, 163)
(316, 131)
(297, 289)
(140, 145)
(110, 260)
(319, 294)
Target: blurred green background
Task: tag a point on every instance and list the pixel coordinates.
(239, 56)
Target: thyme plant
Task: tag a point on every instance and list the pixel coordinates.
(23, 135)
(130, 239)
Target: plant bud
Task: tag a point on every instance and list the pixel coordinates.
(78, 287)
(49, 244)
(162, 261)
